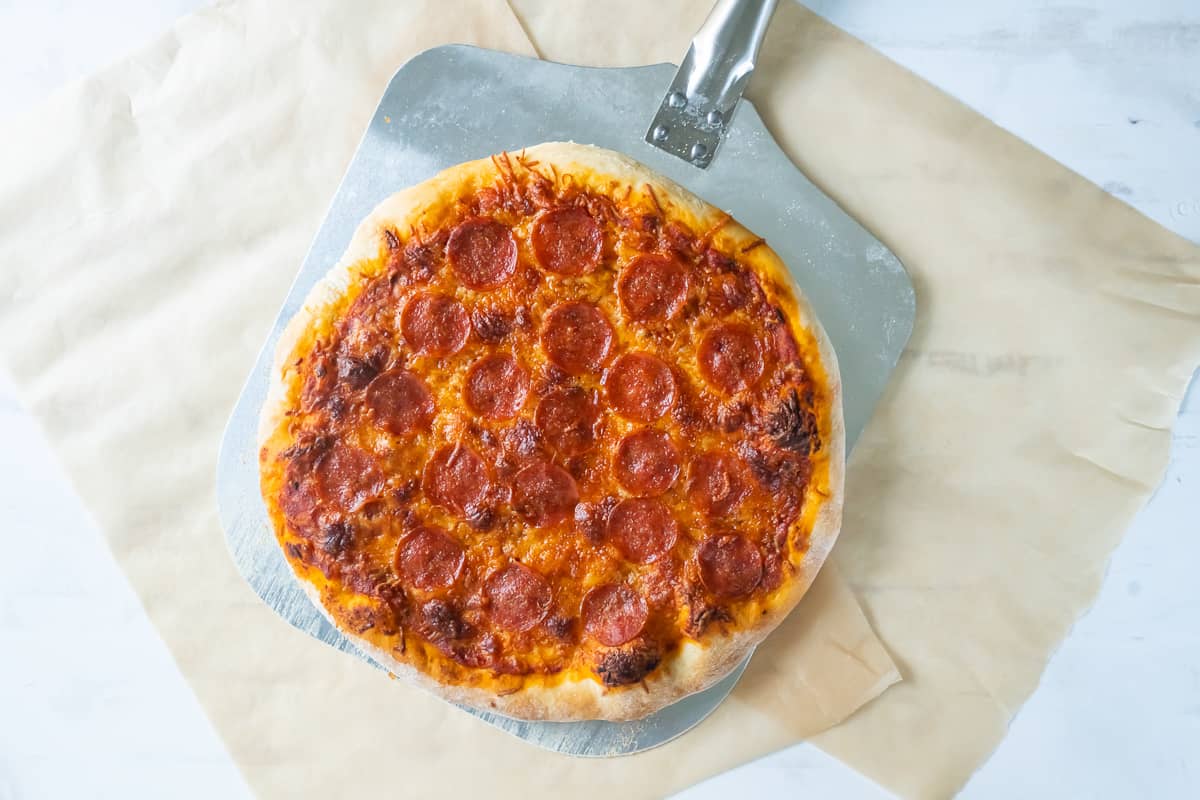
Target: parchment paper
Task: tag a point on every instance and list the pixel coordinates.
(151, 219)
(1056, 332)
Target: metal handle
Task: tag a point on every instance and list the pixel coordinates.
(695, 113)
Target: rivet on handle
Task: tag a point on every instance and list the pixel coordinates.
(694, 115)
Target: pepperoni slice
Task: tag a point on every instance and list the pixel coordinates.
(640, 387)
(731, 358)
(652, 287)
(496, 386)
(577, 337)
(544, 494)
(567, 241)
(298, 500)
(613, 614)
(428, 559)
(457, 479)
(646, 462)
(730, 565)
(519, 597)
(642, 529)
(567, 419)
(399, 402)
(347, 476)
(482, 253)
(717, 484)
(435, 324)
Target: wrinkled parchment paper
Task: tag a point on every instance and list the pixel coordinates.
(1056, 332)
(151, 219)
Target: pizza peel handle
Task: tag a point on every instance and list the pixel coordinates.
(697, 109)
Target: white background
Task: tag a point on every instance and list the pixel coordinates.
(1111, 88)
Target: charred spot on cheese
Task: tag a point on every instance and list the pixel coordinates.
(384, 586)
(406, 491)
(780, 472)
(480, 653)
(307, 448)
(561, 627)
(360, 619)
(492, 325)
(482, 519)
(377, 614)
(418, 260)
(391, 240)
(442, 621)
(336, 537)
(793, 425)
(356, 373)
(629, 664)
(702, 614)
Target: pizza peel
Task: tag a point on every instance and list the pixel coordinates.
(457, 103)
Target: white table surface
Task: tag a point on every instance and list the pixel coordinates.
(1111, 88)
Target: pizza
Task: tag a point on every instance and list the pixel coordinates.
(555, 438)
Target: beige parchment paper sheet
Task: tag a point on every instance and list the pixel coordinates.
(1056, 332)
(151, 220)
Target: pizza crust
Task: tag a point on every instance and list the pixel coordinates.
(694, 667)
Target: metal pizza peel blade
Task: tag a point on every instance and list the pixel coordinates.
(458, 103)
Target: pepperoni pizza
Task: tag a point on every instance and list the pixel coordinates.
(555, 438)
